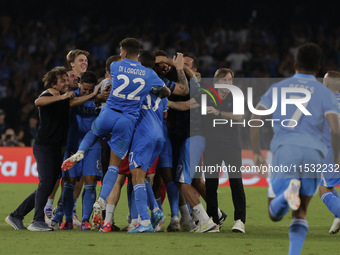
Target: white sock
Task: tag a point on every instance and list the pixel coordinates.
(174, 219)
(219, 213)
(75, 204)
(134, 222)
(185, 213)
(199, 213)
(110, 209)
(145, 223)
(49, 203)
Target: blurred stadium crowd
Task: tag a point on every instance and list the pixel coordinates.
(31, 45)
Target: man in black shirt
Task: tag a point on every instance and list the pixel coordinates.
(222, 144)
(54, 104)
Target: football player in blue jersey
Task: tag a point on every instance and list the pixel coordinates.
(131, 83)
(297, 143)
(330, 178)
(147, 142)
(81, 119)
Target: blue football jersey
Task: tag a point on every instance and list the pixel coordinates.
(305, 130)
(326, 131)
(131, 83)
(151, 115)
(81, 118)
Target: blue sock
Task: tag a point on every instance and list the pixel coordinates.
(159, 202)
(88, 140)
(68, 200)
(152, 203)
(109, 181)
(141, 201)
(278, 207)
(332, 202)
(89, 197)
(132, 203)
(335, 193)
(297, 234)
(173, 198)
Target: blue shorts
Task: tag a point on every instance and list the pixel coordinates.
(165, 157)
(121, 127)
(89, 166)
(330, 177)
(145, 149)
(191, 152)
(287, 159)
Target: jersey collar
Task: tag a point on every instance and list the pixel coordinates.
(131, 61)
(306, 76)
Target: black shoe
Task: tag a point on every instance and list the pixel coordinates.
(15, 222)
(114, 228)
(222, 219)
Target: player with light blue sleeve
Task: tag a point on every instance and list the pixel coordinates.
(131, 83)
(148, 141)
(303, 106)
(81, 118)
(331, 177)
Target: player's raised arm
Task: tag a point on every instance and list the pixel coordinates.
(181, 87)
(80, 100)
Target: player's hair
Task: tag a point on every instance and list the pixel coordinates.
(333, 80)
(195, 63)
(72, 54)
(89, 77)
(221, 72)
(131, 45)
(160, 53)
(147, 58)
(309, 57)
(109, 61)
(51, 77)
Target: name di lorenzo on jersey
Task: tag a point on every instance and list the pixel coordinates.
(130, 70)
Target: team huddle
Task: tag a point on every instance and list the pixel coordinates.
(136, 125)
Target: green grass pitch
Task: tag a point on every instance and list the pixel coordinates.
(262, 236)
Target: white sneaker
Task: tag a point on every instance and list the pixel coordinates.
(187, 226)
(98, 213)
(292, 194)
(69, 163)
(75, 219)
(215, 229)
(238, 227)
(204, 226)
(335, 228)
(174, 226)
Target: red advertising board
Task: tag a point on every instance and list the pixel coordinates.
(18, 165)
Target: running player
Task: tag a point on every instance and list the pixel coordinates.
(298, 143)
